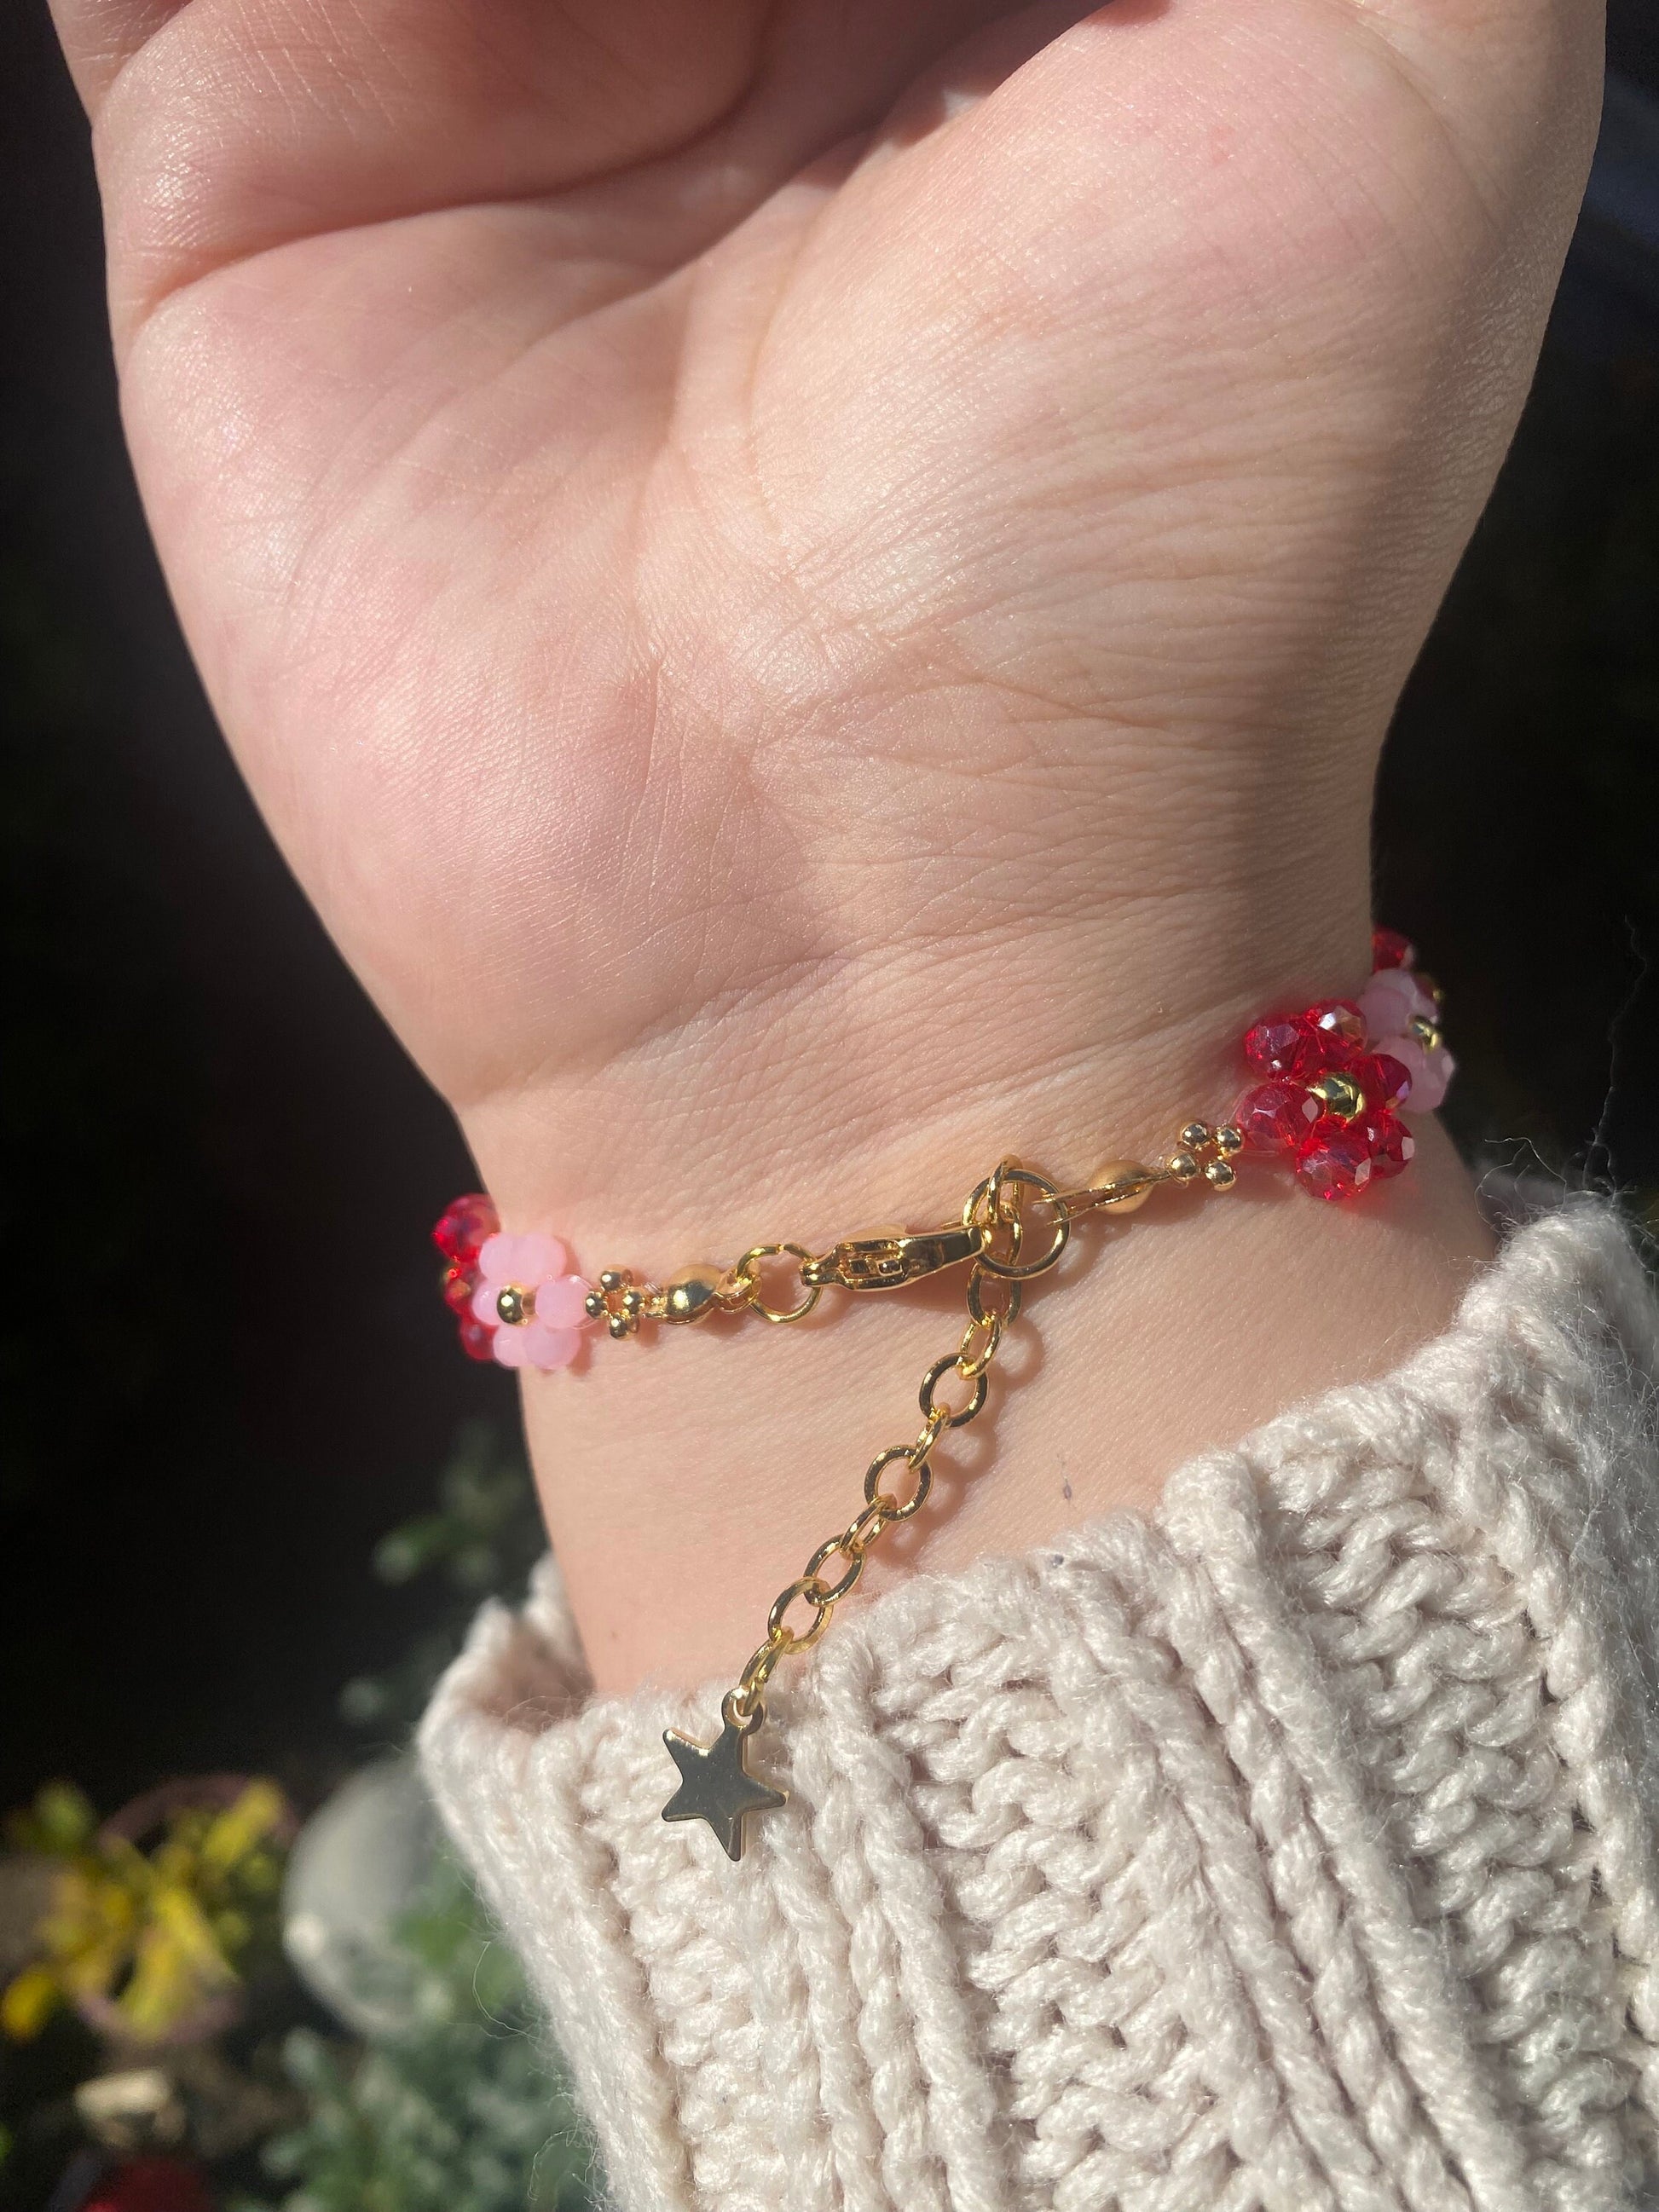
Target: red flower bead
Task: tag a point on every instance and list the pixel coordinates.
(1390, 950)
(477, 1338)
(1384, 1079)
(1279, 1045)
(1337, 1028)
(464, 1226)
(1336, 1162)
(1276, 1117)
(1391, 1144)
(458, 1287)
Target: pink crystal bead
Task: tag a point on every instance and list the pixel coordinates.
(1391, 1001)
(1430, 1071)
(562, 1301)
(535, 1345)
(524, 1259)
(539, 1265)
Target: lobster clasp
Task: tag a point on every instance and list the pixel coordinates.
(891, 1257)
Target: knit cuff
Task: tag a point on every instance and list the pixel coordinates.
(1286, 1848)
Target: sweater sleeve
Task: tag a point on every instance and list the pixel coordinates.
(1288, 1849)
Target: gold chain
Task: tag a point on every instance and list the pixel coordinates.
(995, 1218)
(1004, 1248)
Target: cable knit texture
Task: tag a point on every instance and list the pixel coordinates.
(1289, 1849)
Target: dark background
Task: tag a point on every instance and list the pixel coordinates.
(225, 1373)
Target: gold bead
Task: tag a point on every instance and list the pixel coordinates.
(1195, 1135)
(1181, 1167)
(691, 1294)
(1426, 1032)
(593, 1305)
(633, 1302)
(1339, 1094)
(1135, 1177)
(1229, 1139)
(1220, 1175)
(612, 1279)
(514, 1306)
(620, 1326)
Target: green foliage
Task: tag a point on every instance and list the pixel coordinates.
(482, 1540)
(462, 2110)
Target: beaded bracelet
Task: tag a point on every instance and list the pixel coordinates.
(1332, 1081)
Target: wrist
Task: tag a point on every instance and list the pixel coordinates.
(889, 1076)
(884, 1090)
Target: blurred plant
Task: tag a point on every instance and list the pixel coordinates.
(156, 1937)
(484, 1539)
(463, 2109)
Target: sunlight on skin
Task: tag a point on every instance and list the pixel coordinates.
(814, 592)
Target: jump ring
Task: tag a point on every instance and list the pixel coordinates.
(1016, 1270)
(744, 1274)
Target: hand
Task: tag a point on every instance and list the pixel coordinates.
(812, 590)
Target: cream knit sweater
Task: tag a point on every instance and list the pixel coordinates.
(1289, 1848)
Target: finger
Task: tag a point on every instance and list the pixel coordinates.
(228, 126)
(1229, 258)
(100, 37)
(225, 126)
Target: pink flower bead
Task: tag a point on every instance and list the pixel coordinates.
(1431, 1072)
(1388, 1002)
(541, 1265)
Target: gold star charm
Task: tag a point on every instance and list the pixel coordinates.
(715, 1785)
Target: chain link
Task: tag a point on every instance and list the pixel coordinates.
(1001, 1198)
(739, 1286)
(1000, 1264)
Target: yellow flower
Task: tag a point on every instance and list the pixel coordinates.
(29, 2001)
(160, 1935)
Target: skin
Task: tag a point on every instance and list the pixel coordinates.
(813, 591)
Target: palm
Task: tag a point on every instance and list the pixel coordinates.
(656, 490)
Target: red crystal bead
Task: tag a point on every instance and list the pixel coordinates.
(458, 1285)
(1276, 1117)
(1337, 1028)
(1391, 1144)
(1336, 1162)
(1280, 1045)
(477, 1338)
(1390, 950)
(464, 1226)
(1384, 1079)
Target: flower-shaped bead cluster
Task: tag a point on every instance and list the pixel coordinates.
(529, 1291)
(517, 1299)
(1338, 1073)
(459, 1234)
